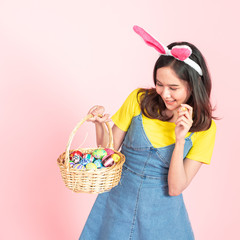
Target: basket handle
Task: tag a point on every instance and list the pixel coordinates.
(110, 143)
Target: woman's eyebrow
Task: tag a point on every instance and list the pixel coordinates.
(172, 85)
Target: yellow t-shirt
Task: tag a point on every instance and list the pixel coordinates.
(161, 133)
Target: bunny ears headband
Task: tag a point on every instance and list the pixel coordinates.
(180, 52)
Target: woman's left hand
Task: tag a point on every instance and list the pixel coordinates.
(183, 122)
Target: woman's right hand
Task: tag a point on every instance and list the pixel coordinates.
(98, 115)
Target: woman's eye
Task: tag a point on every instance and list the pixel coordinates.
(173, 89)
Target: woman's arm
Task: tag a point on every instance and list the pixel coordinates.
(181, 172)
(118, 137)
(99, 118)
(103, 136)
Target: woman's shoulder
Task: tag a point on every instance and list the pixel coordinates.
(135, 95)
(137, 92)
(209, 133)
(211, 129)
(203, 144)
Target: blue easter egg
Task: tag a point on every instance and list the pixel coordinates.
(98, 163)
(85, 161)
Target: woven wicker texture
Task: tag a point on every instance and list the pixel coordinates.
(94, 180)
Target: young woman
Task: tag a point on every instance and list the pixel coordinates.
(166, 133)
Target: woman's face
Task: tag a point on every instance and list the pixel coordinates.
(171, 88)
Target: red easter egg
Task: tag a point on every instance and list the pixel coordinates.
(76, 153)
(109, 151)
(108, 161)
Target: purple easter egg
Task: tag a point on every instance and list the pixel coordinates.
(78, 166)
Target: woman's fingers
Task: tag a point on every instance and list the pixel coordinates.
(182, 119)
(184, 115)
(97, 110)
(186, 108)
(103, 118)
(98, 114)
(92, 108)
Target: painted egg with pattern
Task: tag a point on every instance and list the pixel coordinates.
(71, 163)
(76, 156)
(182, 109)
(84, 161)
(91, 166)
(109, 151)
(108, 161)
(89, 156)
(79, 166)
(116, 157)
(99, 153)
(98, 163)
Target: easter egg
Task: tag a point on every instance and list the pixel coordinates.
(89, 156)
(85, 161)
(108, 161)
(98, 163)
(115, 157)
(76, 156)
(71, 163)
(109, 151)
(183, 109)
(99, 153)
(78, 166)
(91, 166)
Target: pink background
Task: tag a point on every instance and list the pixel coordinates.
(59, 58)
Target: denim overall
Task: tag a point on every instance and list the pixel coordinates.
(139, 207)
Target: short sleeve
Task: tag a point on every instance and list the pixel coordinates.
(130, 108)
(203, 144)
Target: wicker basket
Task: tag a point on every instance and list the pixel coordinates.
(94, 180)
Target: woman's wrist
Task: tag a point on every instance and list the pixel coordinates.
(180, 142)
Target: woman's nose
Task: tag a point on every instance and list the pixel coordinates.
(166, 94)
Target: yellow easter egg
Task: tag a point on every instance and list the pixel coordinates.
(183, 109)
(91, 166)
(115, 157)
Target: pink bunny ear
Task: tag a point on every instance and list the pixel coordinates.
(181, 52)
(150, 40)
